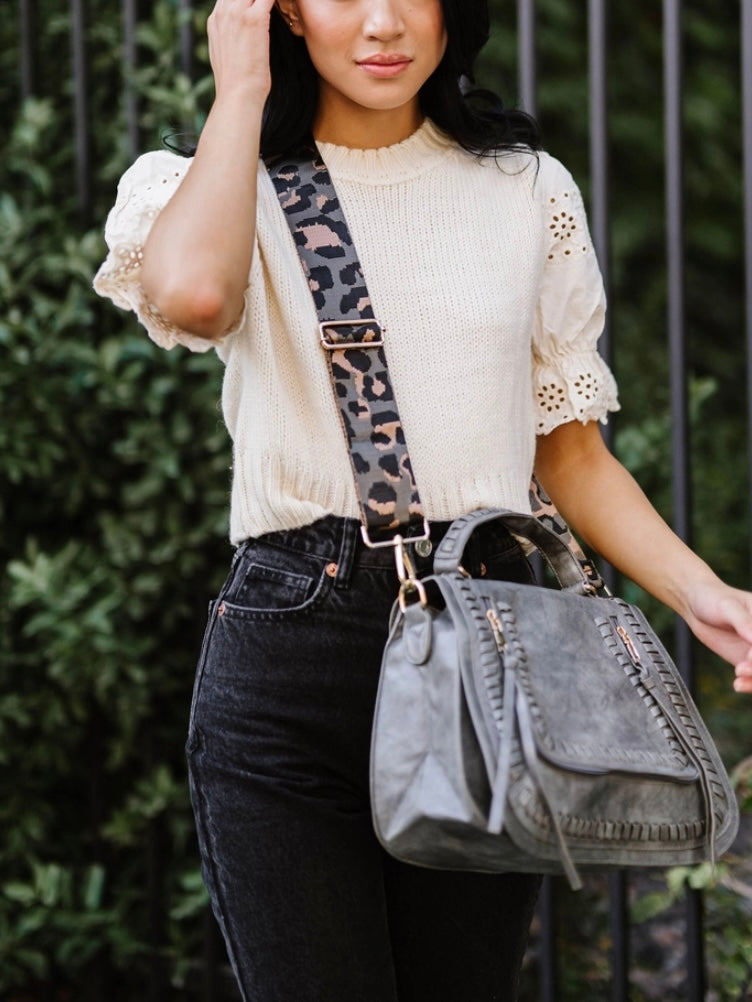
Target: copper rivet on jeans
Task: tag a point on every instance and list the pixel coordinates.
(483, 570)
(221, 609)
(331, 570)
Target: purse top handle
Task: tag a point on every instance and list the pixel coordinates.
(556, 553)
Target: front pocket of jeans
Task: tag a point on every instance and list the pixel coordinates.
(269, 591)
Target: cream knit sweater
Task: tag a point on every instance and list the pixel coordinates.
(483, 274)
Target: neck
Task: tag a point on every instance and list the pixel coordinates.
(361, 128)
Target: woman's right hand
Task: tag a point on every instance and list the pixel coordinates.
(238, 33)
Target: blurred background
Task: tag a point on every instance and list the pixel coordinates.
(115, 465)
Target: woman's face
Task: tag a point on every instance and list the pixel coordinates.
(370, 55)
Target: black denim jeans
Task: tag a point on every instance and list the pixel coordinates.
(311, 907)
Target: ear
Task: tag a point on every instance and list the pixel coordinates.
(289, 11)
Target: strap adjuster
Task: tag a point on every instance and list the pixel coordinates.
(397, 540)
(330, 343)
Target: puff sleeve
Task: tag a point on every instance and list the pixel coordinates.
(570, 379)
(144, 189)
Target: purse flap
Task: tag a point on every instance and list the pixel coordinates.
(589, 675)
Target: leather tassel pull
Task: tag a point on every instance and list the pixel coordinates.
(531, 758)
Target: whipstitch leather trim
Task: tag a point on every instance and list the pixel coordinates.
(636, 678)
(527, 797)
(603, 829)
(675, 695)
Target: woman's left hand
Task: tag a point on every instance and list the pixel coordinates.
(721, 617)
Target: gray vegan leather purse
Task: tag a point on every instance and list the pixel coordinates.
(517, 727)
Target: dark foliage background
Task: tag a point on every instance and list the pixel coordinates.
(115, 474)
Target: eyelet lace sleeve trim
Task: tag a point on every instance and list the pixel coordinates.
(568, 237)
(570, 379)
(143, 192)
(579, 388)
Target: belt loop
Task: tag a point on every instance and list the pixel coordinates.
(347, 552)
(239, 551)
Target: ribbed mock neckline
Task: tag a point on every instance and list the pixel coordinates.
(420, 152)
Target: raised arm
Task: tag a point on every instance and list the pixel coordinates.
(608, 510)
(198, 254)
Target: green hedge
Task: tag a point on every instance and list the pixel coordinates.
(115, 471)
(114, 507)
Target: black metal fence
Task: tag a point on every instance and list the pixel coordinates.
(673, 99)
(214, 984)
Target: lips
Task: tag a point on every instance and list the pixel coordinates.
(384, 59)
(385, 64)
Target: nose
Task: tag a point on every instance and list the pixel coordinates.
(383, 20)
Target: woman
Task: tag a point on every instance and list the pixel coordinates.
(479, 264)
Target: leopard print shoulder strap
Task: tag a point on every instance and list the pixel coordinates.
(354, 345)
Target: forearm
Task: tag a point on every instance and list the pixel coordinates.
(198, 254)
(608, 510)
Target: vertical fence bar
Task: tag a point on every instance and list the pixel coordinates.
(155, 918)
(92, 820)
(130, 62)
(618, 891)
(527, 85)
(81, 106)
(597, 82)
(187, 60)
(209, 985)
(599, 222)
(674, 138)
(526, 58)
(26, 28)
(527, 79)
(746, 58)
(548, 953)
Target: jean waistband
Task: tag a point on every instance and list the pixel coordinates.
(339, 541)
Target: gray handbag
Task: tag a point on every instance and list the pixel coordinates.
(517, 727)
(520, 727)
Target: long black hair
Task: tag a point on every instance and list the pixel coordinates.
(475, 119)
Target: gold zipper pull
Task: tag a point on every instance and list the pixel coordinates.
(496, 627)
(629, 644)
